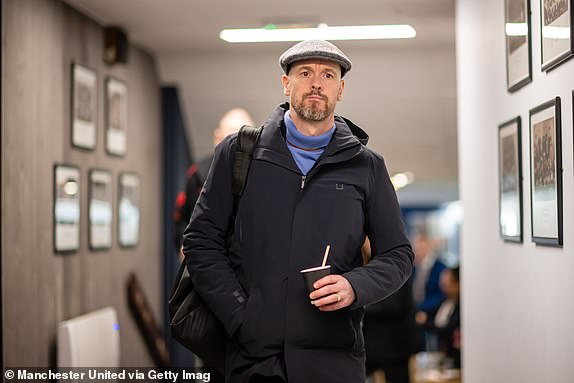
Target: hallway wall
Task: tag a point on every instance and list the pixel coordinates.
(40, 40)
(394, 89)
(517, 298)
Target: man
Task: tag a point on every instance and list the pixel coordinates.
(444, 321)
(229, 123)
(196, 174)
(390, 334)
(426, 289)
(311, 183)
(427, 293)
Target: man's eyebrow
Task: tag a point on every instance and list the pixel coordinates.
(305, 67)
(309, 67)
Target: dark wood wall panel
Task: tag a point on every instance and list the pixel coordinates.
(41, 38)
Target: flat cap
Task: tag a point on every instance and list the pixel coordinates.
(314, 49)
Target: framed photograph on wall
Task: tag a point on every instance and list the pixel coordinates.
(518, 51)
(556, 19)
(84, 107)
(129, 210)
(510, 180)
(100, 210)
(116, 116)
(66, 208)
(546, 173)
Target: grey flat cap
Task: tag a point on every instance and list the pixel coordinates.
(314, 49)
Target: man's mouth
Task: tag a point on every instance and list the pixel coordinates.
(315, 97)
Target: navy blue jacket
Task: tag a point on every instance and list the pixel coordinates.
(433, 293)
(284, 222)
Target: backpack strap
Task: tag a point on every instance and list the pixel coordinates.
(246, 142)
(247, 139)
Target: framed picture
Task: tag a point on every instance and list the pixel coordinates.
(66, 208)
(100, 233)
(546, 173)
(84, 109)
(116, 116)
(129, 210)
(510, 180)
(556, 32)
(518, 51)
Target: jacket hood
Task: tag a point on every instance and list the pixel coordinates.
(361, 135)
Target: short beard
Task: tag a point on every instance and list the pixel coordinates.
(313, 112)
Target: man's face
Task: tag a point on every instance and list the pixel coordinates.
(448, 284)
(314, 87)
(422, 248)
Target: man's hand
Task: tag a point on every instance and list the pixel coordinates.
(333, 292)
(421, 317)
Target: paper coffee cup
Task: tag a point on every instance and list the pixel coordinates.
(312, 275)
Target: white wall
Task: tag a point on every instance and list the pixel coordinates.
(403, 93)
(518, 303)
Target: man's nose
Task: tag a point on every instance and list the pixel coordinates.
(316, 84)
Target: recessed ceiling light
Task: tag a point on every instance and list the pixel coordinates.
(322, 32)
(400, 180)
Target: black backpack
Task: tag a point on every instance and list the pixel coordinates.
(192, 323)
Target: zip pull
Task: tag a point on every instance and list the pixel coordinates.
(303, 182)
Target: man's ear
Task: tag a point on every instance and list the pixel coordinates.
(285, 81)
(340, 94)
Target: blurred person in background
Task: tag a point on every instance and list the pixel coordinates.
(444, 321)
(196, 174)
(390, 333)
(427, 293)
(230, 123)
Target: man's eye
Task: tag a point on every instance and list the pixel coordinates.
(304, 74)
(328, 75)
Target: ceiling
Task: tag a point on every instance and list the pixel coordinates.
(415, 74)
(179, 26)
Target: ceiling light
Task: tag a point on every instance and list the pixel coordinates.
(400, 180)
(323, 32)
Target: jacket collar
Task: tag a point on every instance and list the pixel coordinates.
(348, 140)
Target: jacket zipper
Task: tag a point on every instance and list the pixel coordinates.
(303, 178)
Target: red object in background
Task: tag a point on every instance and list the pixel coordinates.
(179, 203)
(456, 339)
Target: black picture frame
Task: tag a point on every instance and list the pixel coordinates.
(129, 211)
(116, 112)
(83, 107)
(66, 209)
(556, 34)
(518, 34)
(510, 203)
(100, 209)
(546, 174)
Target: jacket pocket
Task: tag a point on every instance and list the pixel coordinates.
(244, 332)
(324, 330)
